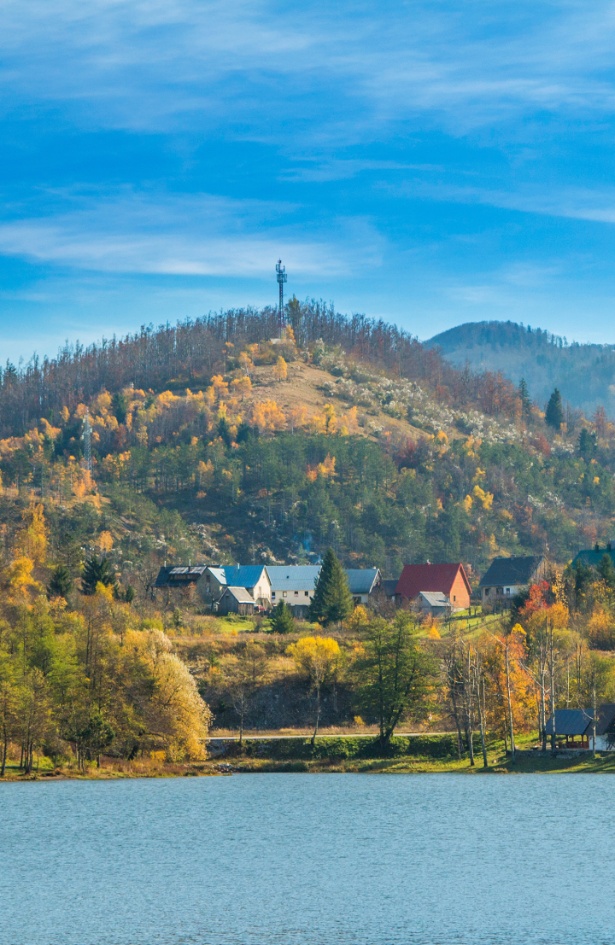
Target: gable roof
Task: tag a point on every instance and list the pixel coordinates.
(593, 557)
(429, 577)
(579, 721)
(241, 594)
(606, 718)
(244, 575)
(179, 575)
(362, 580)
(516, 570)
(435, 598)
(295, 577)
(570, 722)
(387, 586)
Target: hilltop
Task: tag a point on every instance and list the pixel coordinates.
(209, 441)
(584, 373)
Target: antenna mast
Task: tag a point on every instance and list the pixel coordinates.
(282, 278)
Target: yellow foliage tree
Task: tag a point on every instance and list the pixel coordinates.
(242, 386)
(20, 577)
(32, 538)
(175, 711)
(268, 416)
(319, 658)
(485, 498)
(280, 369)
(105, 542)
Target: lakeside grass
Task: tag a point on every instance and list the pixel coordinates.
(422, 754)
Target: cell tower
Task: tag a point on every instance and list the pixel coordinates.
(87, 441)
(282, 278)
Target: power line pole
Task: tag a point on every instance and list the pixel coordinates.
(282, 278)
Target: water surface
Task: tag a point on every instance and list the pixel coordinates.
(285, 859)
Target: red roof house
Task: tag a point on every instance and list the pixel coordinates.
(449, 579)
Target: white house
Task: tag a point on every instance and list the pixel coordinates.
(294, 584)
(252, 577)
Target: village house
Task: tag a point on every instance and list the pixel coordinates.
(181, 580)
(235, 600)
(573, 728)
(449, 580)
(363, 582)
(593, 556)
(253, 577)
(507, 577)
(433, 604)
(293, 584)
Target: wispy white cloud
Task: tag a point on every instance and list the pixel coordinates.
(154, 64)
(179, 236)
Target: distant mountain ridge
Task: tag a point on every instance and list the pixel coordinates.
(584, 373)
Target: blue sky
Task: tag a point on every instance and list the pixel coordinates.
(426, 162)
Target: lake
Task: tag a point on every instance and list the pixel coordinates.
(291, 859)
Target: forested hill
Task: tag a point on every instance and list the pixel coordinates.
(211, 442)
(584, 373)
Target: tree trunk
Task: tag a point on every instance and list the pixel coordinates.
(481, 721)
(317, 715)
(470, 711)
(552, 684)
(543, 710)
(456, 718)
(594, 721)
(510, 710)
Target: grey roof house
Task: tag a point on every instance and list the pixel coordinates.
(507, 577)
(575, 726)
(235, 600)
(433, 603)
(293, 584)
(363, 582)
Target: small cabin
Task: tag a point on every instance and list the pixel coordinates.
(236, 600)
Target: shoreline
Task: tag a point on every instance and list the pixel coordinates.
(418, 754)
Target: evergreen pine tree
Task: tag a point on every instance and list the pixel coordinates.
(524, 397)
(554, 414)
(606, 570)
(282, 620)
(587, 443)
(61, 583)
(332, 601)
(96, 571)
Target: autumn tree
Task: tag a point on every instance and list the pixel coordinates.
(332, 601)
(280, 369)
(319, 658)
(244, 672)
(9, 703)
(173, 712)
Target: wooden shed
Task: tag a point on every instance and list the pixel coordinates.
(236, 600)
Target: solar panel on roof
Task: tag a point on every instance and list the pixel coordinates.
(178, 571)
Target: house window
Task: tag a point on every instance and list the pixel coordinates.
(454, 598)
(307, 593)
(487, 589)
(296, 593)
(499, 590)
(273, 595)
(508, 590)
(284, 594)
